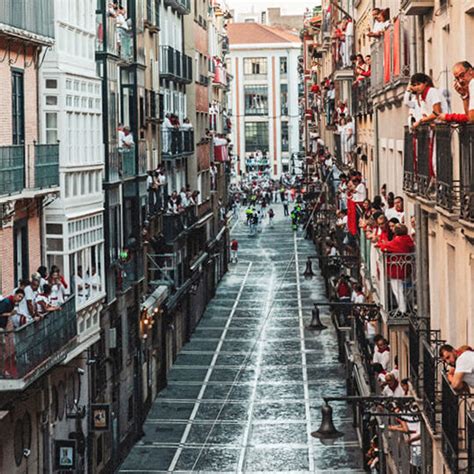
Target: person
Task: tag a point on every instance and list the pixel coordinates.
(58, 288)
(381, 23)
(410, 426)
(27, 307)
(461, 361)
(44, 305)
(42, 271)
(234, 249)
(397, 210)
(381, 352)
(271, 215)
(392, 387)
(126, 141)
(93, 282)
(405, 384)
(286, 212)
(398, 267)
(463, 73)
(7, 307)
(81, 286)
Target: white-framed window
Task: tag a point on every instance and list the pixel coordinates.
(51, 127)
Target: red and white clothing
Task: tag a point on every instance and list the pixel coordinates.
(382, 358)
(42, 301)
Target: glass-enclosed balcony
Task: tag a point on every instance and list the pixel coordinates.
(29, 351)
(129, 166)
(106, 34)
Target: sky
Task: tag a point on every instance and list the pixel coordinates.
(296, 6)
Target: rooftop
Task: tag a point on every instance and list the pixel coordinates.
(254, 33)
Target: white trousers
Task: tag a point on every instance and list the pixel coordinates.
(398, 290)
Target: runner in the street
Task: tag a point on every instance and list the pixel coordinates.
(271, 215)
(234, 249)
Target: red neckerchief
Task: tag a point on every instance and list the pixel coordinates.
(387, 349)
(425, 93)
(12, 299)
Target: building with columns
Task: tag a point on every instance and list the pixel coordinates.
(264, 95)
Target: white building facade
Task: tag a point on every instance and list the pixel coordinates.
(71, 113)
(264, 97)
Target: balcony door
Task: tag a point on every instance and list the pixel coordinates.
(18, 107)
(20, 236)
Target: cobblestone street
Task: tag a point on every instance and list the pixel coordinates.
(245, 393)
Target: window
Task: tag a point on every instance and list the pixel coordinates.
(18, 108)
(51, 126)
(283, 66)
(256, 100)
(255, 66)
(256, 136)
(284, 99)
(285, 139)
(51, 84)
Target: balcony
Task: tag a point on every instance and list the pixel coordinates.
(46, 165)
(361, 98)
(457, 409)
(153, 15)
(31, 167)
(129, 165)
(181, 6)
(29, 351)
(34, 17)
(177, 142)
(125, 46)
(175, 224)
(396, 285)
(417, 7)
(175, 66)
(390, 59)
(450, 184)
(106, 38)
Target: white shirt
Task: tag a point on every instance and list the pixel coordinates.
(392, 212)
(349, 31)
(42, 299)
(471, 95)
(465, 365)
(360, 193)
(126, 140)
(359, 298)
(380, 26)
(433, 97)
(388, 392)
(382, 358)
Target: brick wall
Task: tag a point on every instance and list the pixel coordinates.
(30, 74)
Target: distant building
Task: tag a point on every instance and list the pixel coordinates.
(264, 64)
(269, 17)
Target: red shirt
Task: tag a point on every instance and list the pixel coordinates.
(234, 245)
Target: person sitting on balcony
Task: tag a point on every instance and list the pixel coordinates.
(44, 305)
(392, 387)
(398, 267)
(7, 307)
(381, 352)
(397, 210)
(464, 85)
(461, 362)
(381, 22)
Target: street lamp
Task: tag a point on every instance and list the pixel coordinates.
(394, 406)
(316, 324)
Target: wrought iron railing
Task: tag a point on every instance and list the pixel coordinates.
(470, 440)
(338, 148)
(467, 172)
(397, 285)
(391, 56)
(176, 142)
(167, 61)
(409, 162)
(424, 160)
(454, 426)
(175, 224)
(361, 98)
(12, 169)
(414, 354)
(25, 349)
(446, 186)
(46, 172)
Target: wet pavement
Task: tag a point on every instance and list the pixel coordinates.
(245, 392)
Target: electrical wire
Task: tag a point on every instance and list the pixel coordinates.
(252, 350)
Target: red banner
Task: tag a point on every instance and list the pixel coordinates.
(396, 47)
(386, 56)
(351, 216)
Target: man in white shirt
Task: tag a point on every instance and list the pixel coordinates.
(392, 387)
(462, 365)
(381, 352)
(126, 139)
(359, 194)
(397, 210)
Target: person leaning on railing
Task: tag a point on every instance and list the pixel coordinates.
(461, 362)
(7, 307)
(464, 85)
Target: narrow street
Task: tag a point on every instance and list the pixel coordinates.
(245, 393)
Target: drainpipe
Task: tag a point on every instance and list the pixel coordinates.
(420, 40)
(413, 46)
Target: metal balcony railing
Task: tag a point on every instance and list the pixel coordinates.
(414, 354)
(12, 169)
(25, 351)
(175, 224)
(176, 142)
(182, 6)
(466, 138)
(424, 162)
(361, 98)
(409, 163)
(455, 442)
(391, 57)
(446, 187)
(397, 285)
(46, 165)
(175, 65)
(338, 149)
